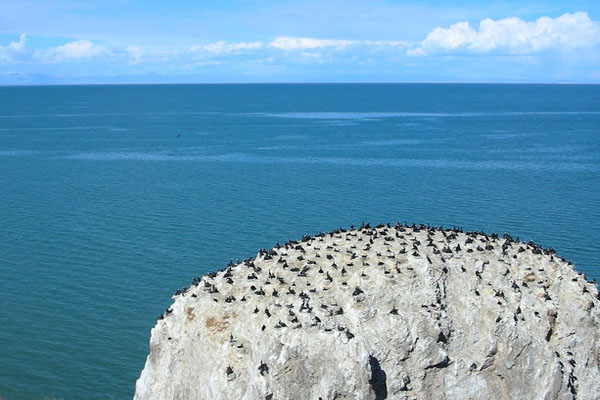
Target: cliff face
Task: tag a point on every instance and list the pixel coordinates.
(382, 313)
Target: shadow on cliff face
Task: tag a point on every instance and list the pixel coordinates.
(378, 379)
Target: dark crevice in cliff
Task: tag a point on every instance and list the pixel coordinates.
(378, 379)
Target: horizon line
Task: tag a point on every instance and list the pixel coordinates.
(299, 83)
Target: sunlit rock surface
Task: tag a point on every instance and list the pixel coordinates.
(382, 313)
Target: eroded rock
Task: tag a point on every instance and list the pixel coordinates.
(386, 312)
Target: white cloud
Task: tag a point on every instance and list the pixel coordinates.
(303, 43)
(14, 50)
(222, 47)
(298, 48)
(388, 43)
(16, 46)
(513, 36)
(134, 53)
(297, 43)
(77, 50)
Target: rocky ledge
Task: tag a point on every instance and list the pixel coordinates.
(385, 312)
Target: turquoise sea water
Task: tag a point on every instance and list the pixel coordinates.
(111, 197)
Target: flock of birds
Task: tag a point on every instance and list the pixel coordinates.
(289, 285)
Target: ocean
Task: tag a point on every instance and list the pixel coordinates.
(112, 197)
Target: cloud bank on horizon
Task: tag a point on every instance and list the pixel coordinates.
(563, 48)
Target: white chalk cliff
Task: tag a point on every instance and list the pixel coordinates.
(382, 313)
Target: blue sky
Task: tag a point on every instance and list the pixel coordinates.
(130, 41)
